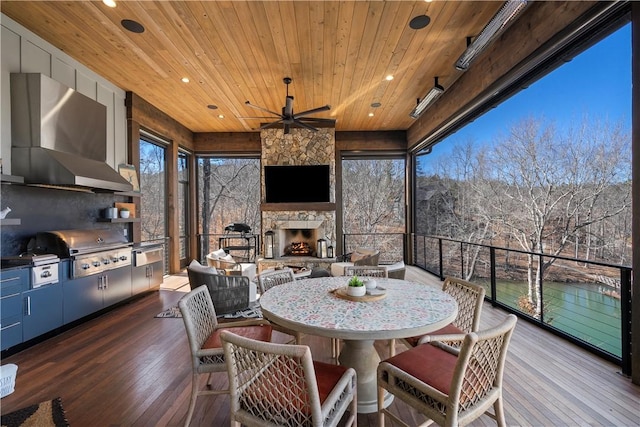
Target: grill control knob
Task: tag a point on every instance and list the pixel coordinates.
(96, 263)
(123, 258)
(85, 266)
(106, 261)
(114, 259)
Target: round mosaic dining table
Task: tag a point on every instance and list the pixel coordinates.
(408, 309)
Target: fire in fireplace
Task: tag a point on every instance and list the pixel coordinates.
(298, 249)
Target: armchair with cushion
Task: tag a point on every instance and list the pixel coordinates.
(361, 256)
(223, 261)
(229, 293)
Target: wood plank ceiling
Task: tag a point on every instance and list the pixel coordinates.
(337, 52)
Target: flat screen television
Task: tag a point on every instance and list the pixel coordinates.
(297, 184)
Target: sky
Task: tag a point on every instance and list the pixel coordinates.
(596, 83)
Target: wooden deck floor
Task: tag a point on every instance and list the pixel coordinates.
(127, 368)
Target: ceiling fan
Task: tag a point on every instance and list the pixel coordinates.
(288, 118)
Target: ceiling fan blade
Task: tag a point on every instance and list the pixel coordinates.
(263, 109)
(287, 111)
(312, 111)
(270, 125)
(304, 125)
(256, 117)
(317, 120)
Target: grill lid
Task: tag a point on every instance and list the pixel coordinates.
(65, 243)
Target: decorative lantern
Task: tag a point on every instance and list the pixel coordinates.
(268, 244)
(330, 251)
(321, 248)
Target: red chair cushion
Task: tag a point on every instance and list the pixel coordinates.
(449, 329)
(429, 364)
(327, 376)
(256, 332)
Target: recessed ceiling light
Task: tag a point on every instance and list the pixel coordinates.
(389, 77)
(419, 22)
(220, 116)
(133, 26)
(110, 3)
(212, 107)
(370, 114)
(375, 104)
(185, 79)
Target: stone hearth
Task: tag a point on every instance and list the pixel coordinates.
(300, 147)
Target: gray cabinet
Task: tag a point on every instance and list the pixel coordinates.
(147, 277)
(117, 285)
(12, 283)
(42, 310)
(81, 297)
(148, 270)
(87, 295)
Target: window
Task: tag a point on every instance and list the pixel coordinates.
(153, 188)
(228, 192)
(545, 180)
(183, 206)
(373, 205)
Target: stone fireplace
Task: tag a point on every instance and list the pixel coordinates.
(299, 222)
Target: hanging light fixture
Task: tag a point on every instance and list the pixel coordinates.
(428, 99)
(505, 16)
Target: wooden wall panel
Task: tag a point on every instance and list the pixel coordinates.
(227, 142)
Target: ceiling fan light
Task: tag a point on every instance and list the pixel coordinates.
(428, 99)
(500, 22)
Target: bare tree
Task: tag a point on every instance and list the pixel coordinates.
(373, 197)
(551, 187)
(230, 192)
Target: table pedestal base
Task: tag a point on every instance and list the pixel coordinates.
(362, 356)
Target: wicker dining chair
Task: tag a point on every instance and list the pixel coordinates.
(451, 386)
(203, 331)
(365, 271)
(280, 385)
(469, 297)
(271, 278)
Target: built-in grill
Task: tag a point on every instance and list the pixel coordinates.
(90, 251)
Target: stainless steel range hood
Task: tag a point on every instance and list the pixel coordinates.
(59, 136)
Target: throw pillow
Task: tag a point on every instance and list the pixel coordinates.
(196, 266)
(220, 253)
(357, 256)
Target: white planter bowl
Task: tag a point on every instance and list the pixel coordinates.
(370, 284)
(356, 291)
(124, 214)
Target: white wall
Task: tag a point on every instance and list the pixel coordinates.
(24, 52)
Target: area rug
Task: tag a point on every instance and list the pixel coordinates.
(43, 414)
(252, 312)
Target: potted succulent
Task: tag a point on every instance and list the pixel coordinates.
(356, 287)
(124, 213)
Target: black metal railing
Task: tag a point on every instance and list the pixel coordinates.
(586, 302)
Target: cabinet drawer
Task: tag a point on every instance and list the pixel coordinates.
(10, 305)
(14, 281)
(10, 331)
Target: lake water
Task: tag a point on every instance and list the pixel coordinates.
(579, 309)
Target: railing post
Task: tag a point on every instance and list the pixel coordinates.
(541, 273)
(462, 261)
(625, 319)
(440, 257)
(492, 268)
